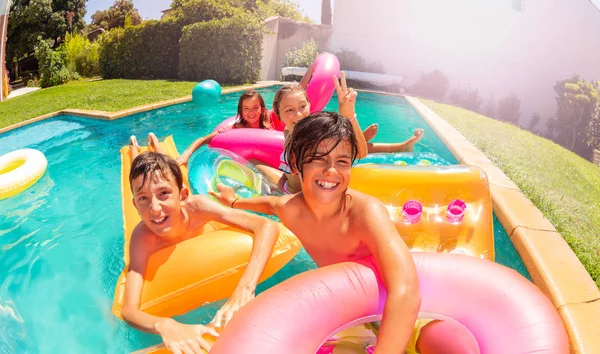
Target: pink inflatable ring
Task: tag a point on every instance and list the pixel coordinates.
(321, 87)
(504, 311)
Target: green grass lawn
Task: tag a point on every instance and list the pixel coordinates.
(564, 186)
(104, 95)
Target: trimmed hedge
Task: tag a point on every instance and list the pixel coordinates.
(191, 11)
(228, 50)
(146, 51)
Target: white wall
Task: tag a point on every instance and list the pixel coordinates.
(482, 43)
(285, 35)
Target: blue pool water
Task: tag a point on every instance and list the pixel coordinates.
(61, 241)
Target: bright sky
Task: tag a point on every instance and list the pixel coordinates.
(150, 9)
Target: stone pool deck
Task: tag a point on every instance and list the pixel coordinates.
(553, 266)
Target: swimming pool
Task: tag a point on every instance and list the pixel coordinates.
(61, 241)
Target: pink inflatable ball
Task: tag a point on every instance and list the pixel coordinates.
(456, 210)
(411, 211)
(206, 92)
(321, 87)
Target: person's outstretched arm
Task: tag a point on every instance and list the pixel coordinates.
(185, 157)
(177, 337)
(265, 232)
(399, 275)
(265, 205)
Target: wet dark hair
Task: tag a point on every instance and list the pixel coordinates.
(146, 163)
(284, 91)
(265, 122)
(309, 132)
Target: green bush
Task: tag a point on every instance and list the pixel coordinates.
(227, 50)
(302, 57)
(350, 60)
(52, 64)
(82, 55)
(32, 83)
(146, 51)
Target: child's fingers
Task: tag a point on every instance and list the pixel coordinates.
(343, 79)
(338, 88)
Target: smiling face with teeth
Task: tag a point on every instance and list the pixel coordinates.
(159, 200)
(325, 175)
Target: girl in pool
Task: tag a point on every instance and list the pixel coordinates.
(291, 105)
(251, 113)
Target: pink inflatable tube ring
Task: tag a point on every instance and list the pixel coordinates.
(504, 312)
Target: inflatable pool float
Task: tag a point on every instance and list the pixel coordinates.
(420, 201)
(504, 312)
(207, 268)
(405, 159)
(434, 208)
(244, 180)
(19, 170)
(320, 88)
(252, 144)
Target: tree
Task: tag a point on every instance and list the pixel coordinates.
(535, 118)
(46, 19)
(326, 12)
(192, 11)
(489, 108)
(593, 129)
(577, 102)
(120, 13)
(509, 109)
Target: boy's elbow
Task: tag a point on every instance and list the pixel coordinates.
(127, 314)
(408, 294)
(271, 226)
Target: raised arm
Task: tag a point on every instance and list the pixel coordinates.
(346, 103)
(185, 157)
(177, 337)
(307, 76)
(399, 275)
(265, 235)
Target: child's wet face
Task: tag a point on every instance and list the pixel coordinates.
(293, 108)
(327, 177)
(251, 111)
(158, 202)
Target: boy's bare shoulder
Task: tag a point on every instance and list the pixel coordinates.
(142, 238)
(290, 205)
(365, 205)
(200, 203)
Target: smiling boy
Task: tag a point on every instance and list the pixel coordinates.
(337, 224)
(170, 214)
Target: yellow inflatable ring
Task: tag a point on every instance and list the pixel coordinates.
(19, 170)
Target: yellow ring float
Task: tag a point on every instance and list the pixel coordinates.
(19, 170)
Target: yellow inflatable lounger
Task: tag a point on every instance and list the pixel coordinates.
(206, 268)
(435, 208)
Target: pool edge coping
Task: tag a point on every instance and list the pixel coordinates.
(552, 264)
(110, 116)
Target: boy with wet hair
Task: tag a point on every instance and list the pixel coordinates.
(337, 224)
(170, 214)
